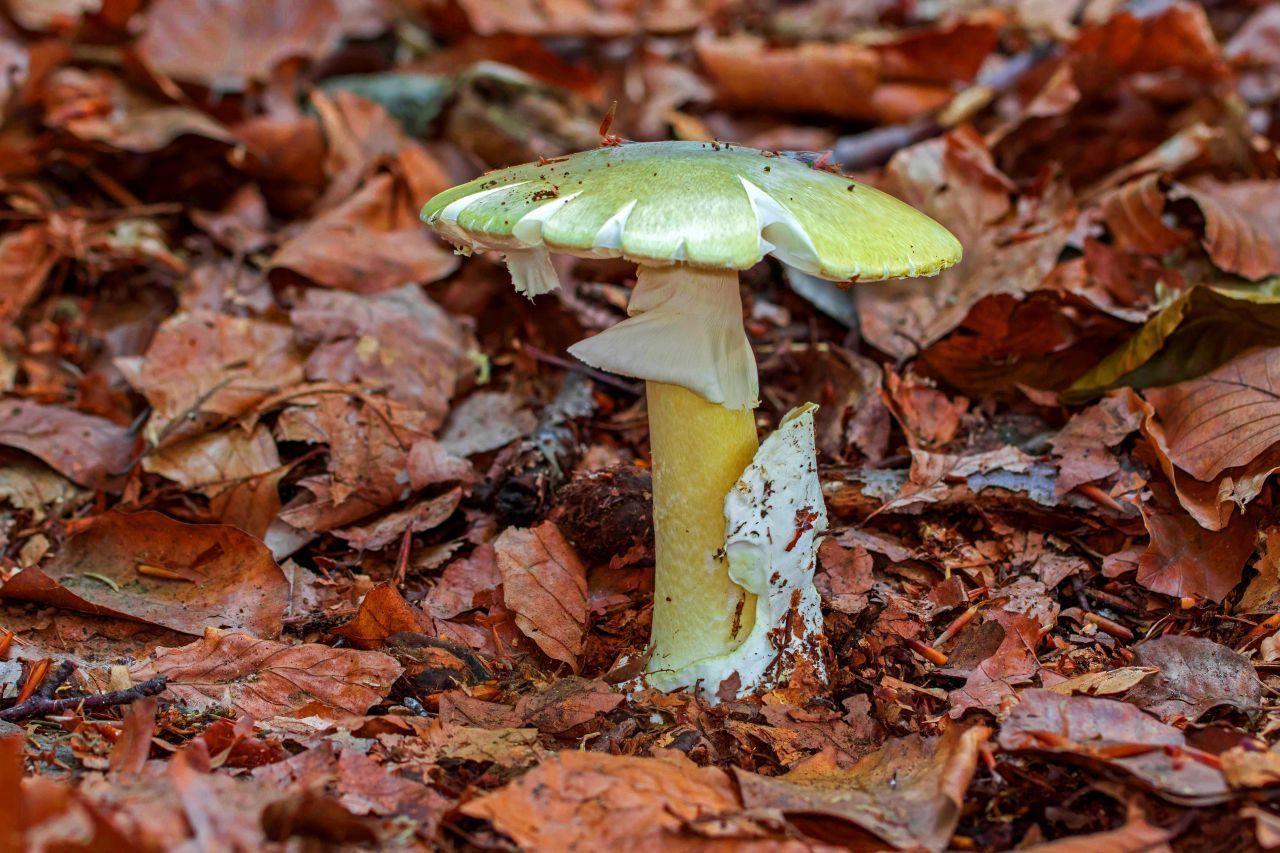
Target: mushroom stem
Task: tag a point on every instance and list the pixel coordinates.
(700, 450)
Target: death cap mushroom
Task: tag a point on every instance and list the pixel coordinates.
(706, 204)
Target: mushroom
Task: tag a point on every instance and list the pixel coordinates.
(735, 609)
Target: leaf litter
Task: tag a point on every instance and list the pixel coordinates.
(308, 531)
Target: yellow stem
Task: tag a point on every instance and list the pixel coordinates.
(699, 451)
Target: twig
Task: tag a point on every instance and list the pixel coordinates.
(566, 364)
(55, 680)
(39, 706)
(865, 150)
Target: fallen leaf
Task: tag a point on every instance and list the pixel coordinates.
(1223, 419)
(383, 612)
(545, 584)
(584, 800)
(1008, 250)
(399, 342)
(84, 448)
(225, 45)
(371, 243)
(569, 703)
(1199, 331)
(263, 679)
(150, 568)
(1195, 676)
(991, 684)
(908, 793)
(846, 576)
(1083, 446)
(486, 421)
(202, 369)
(1105, 683)
(1240, 233)
(26, 258)
(1141, 747)
(1184, 559)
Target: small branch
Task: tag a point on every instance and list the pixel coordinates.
(55, 680)
(39, 706)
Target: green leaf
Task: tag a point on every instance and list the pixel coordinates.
(1198, 332)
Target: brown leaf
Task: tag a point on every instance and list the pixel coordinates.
(150, 568)
(1007, 250)
(225, 45)
(1136, 836)
(486, 421)
(569, 703)
(749, 73)
(202, 369)
(1085, 727)
(1134, 213)
(84, 448)
(990, 685)
(383, 612)
(1242, 224)
(26, 258)
(585, 800)
(908, 793)
(263, 679)
(1083, 446)
(371, 243)
(1104, 683)
(399, 342)
(370, 441)
(545, 584)
(1184, 559)
(133, 748)
(426, 514)
(1224, 419)
(1196, 676)
(465, 584)
(846, 576)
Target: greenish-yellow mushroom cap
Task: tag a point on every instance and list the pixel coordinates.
(706, 204)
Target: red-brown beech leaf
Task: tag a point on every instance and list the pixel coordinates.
(1083, 446)
(1224, 419)
(383, 612)
(1242, 224)
(545, 584)
(85, 448)
(26, 257)
(371, 243)
(226, 44)
(203, 368)
(1183, 558)
(597, 801)
(908, 793)
(1084, 727)
(1196, 675)
(147, 567)
(567, 704)
(990, 684)
(1008, 249)
(399, 342)
(265, 679)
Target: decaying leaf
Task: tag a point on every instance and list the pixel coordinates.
(263, 678)
(145, 566)
(545, 584)
(584, 799)
(908, 793)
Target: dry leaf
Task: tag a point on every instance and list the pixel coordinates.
(263, 679)
(144, 566)
(545, 584)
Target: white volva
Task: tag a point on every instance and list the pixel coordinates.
(774, 516)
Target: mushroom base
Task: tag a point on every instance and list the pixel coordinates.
(699, 451)
(773, 516)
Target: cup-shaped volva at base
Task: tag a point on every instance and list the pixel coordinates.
(773, 516)
(699, 451)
